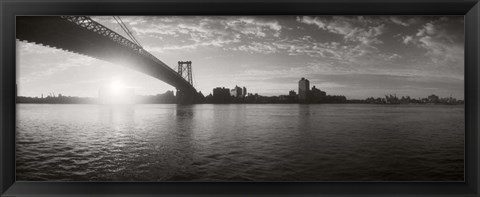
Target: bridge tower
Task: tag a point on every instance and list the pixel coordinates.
(185, 70)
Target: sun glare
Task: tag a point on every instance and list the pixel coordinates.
(117, 86)
(116, 93)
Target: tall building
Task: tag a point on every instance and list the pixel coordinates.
(303, 90)
(236, 92)
(244, 92)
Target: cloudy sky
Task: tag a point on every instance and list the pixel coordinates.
(355, 56)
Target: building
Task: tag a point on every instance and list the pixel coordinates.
(303, 90)
(292, 97)
(221, 95)
(292, 93)
(317, 95)
(433, 98)
(236, 92)
(244, 92)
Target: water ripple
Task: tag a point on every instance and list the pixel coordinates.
(240, 143)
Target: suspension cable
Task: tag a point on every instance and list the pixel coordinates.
(129, 32)
(123, 28)
(126, 30)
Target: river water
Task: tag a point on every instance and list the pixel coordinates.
(240, 142)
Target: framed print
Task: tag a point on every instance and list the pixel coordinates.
(159, 98)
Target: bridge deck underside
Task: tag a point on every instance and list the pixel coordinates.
(54, 31)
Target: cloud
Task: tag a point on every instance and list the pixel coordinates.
(352, 29)
(253, 26)
(321, 24)
(207, 27)
(257, 47)
(243, 33)
(443, 47)
(442, 52)
(399, 21)
(360, 35)
(178, 33)
(393, 57)
(427, 29)
(155, 29)
(307, 46)
(297, 47)
(407, 39)
(219, 42)
(328, 50)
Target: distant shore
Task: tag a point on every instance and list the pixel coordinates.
(280, 103)
(170, 98)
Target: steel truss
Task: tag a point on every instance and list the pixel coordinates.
(88, 23)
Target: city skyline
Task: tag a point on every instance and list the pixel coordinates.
(355, 56)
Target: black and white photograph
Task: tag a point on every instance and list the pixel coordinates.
(218, 98)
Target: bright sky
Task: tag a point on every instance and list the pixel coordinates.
(355, 56)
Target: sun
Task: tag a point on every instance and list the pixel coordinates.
(117, 86)
(116, 92)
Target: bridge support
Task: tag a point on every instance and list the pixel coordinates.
(187, 97)
(185, 70)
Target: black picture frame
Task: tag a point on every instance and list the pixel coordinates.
(10, 8)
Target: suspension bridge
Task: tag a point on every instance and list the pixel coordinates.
(82, 35)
